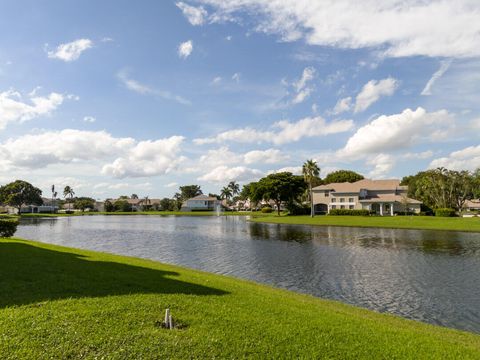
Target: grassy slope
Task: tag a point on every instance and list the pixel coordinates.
(58, 302)
(400, 222)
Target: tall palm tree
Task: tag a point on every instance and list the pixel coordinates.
(234, 187)
(68, 191)
(310, 170)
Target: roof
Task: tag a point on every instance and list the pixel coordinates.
(204, 198)
(367, 184)
(389, 198)
(474, 203)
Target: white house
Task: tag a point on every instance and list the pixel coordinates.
(384, 197)
(201, 203)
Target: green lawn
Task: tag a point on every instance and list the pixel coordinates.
(158, 213)
(58, 302)
(400, 222)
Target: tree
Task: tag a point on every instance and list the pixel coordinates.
(84, 203)
(54, 196)
(122, 205)
(189, 191)
(310, 170)
(20, 193)
(108, 206)
(134, 196)
(341, 176)
(68, 191)
(279, 187)
(234, 187)
(226, 193)
(167, 204)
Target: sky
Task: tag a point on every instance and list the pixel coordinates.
(121, 97)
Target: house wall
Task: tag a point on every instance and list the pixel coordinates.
(337, 199)
(200, 204)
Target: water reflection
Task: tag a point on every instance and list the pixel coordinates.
(424, 275)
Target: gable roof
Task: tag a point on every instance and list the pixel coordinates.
(367, 184)
(204, 198)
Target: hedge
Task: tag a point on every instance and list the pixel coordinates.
(8, 227)
(445, 212)
(267, 210)
(349, 212)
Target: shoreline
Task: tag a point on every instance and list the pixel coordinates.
(222, 314)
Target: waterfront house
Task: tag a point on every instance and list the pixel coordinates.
(201, 203)
(383, 197)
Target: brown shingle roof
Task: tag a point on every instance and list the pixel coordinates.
(389, 198)
(362, 184)
(203, 197)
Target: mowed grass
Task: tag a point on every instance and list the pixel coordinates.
(399, 222)
(58, 302)
(157, 213)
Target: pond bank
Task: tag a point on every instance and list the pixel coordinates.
(62, 302)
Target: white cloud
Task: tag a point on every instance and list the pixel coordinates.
(397, 28)
(185, 49)
(220, 156)
(217, 80)
(89, 119)
(398, 131)
(282, 132)
(70, 51)
(143, 89)
(172, 185)
(301, 88)
(372, 91)
(382, 164)
(147, 158)
(223, 174)
(269, 156)
(418, 155)
(342, 105)
(14, 109)
(194, 15)
(427, 90)
(464, 159)
(236, 77)
(295, 170)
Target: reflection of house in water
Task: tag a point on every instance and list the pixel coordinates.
(384, 197)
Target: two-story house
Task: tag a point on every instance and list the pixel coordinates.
(384, 197)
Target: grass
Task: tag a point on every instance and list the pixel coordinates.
(397, 222)
(58, 302)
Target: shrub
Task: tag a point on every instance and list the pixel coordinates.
(349, 212)
(445, 212)
(296, 209)
(8, 227)
(267, 210)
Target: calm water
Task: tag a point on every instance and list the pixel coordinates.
(430, 276)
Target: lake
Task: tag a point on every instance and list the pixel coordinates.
(431, 276)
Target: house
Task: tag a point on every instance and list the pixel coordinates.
(201, 203)
(136, 204)
(383, 197)
(472, 205)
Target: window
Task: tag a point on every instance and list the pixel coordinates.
(327, 193)
(342, 200)
(342, 206)
(334, 200)
(351, 200)
(334, 206)
(350, 207)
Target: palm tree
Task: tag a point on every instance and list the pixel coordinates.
(310, 170)
(226, 193)
(68, 191)
(234, 187)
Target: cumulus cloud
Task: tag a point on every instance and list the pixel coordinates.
(147, 158)
(185, 49)
(70, 51)
(223, 174)
(269, 156)
(281, 132)
(427, 90)
(89, 119)
(373, 91)
(138, 87)
(382, 165)
(195, 15)
(398, 131)
(464, 159)
(301, 87)
(397, 28)
(14, 109)
(295, 170)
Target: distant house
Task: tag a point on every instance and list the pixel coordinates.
(383, 197)
(201, 203)
(32, 209)
(472, 205)
(138, 204)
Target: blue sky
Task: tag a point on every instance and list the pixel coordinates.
(116, 97)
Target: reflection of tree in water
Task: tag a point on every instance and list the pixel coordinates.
(280, 232)
(443, 242)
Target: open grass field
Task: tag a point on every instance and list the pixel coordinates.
(58, 302)
(397, 222)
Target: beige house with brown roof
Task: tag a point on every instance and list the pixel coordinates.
(384, 197)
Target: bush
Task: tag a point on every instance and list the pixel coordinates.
(8, 227)
(445, 212)
(295, 209)
(349, 212)
(267, 210)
